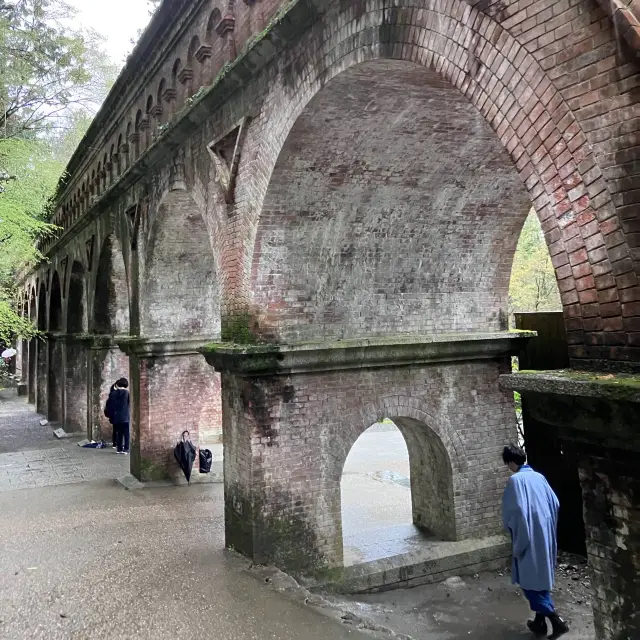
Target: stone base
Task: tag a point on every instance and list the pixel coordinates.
(437, 561)
(22, 389)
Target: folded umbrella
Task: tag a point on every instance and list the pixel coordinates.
(185, 454)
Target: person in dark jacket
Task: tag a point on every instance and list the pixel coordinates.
(117, 410)
(106, 413)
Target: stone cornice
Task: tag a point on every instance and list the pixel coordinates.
(363, 353)
(566, 382)
(596, 410)
(161, 347)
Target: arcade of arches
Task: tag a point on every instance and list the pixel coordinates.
(333, 245)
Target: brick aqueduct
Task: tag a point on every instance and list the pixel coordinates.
(323, 199)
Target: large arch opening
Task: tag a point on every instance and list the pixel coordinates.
(111, 305)
(392, 208)
(76, 370)
(110, 318)
(56, 364)
(396, 491)
(181, 295)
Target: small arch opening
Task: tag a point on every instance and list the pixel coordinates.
(396, 491)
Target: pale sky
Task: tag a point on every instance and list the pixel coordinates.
(117, 20)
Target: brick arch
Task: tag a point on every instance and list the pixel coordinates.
(436, 467)
(76, 299)
(33, 347)
(180, 292)
(111, 290)
(531, 119)
(55, 304)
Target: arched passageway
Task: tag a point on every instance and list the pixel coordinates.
(56, 361)
(33, 350)
(398, 485)
(179, 311)
(42, 353)
(110, 319)
(375, 496)
(180, 295)
(76, 369)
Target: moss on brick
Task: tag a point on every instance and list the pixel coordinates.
(237, 330)
(150, 471)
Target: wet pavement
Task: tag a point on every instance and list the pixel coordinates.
(81, 558)
(91, 560)
(31, 456)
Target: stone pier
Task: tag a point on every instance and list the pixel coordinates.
(598, 416)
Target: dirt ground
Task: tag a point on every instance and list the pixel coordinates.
(483, 607)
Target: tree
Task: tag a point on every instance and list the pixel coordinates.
(533, 284)
(52, 79)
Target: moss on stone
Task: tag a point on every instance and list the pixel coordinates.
(150, 471)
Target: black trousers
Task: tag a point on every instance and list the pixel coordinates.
(122, 436)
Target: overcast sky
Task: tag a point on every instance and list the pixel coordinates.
(117, 20)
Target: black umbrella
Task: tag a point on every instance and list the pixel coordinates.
(185, 454)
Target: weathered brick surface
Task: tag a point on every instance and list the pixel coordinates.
(611, 491)
(171, 395)
(76, 388)
(287, 437)
(108, 365)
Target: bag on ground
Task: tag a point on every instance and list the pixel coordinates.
(206, 458)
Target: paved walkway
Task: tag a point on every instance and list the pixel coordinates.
(31, 456)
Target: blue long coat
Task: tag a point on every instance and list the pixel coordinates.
(530, 514)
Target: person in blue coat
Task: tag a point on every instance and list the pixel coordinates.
(530, 515)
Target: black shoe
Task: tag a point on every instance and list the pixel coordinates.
(558, 625)
(538, 626)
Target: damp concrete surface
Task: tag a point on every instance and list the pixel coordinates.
(82, 558)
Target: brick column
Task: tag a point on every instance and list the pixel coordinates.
(611, 492)
(172, 390)
(291, 414)
(33, 369)
(42, 364)
(598, 417)
(76, 383)
(107, 363)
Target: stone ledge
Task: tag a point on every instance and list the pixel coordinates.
(160, 347)
(566, 382)
(439, 561)
(362, 353)
(598, 411)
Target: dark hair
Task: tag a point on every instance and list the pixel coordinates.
(123, 383)
(514, 454)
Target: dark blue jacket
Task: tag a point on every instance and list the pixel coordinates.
(117, 407)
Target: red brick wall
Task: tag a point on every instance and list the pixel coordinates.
(172, 394)
(610, 488)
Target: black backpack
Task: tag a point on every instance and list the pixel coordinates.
(206, 458)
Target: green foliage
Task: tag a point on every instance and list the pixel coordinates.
(52, 79)
(533, 284)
